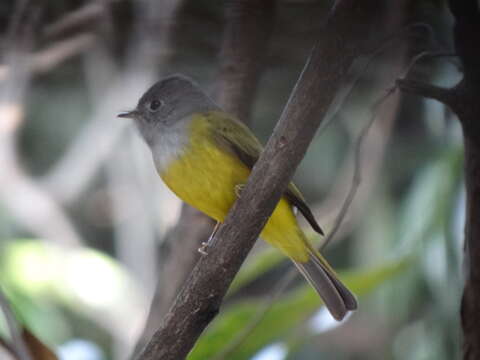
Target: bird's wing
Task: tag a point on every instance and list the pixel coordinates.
(237, 138)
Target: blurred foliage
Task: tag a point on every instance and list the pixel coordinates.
(283, 316)
(49, 284)
(401, 247)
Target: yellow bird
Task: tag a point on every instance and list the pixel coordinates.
(205, 156)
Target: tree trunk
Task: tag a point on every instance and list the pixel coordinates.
(464, 100)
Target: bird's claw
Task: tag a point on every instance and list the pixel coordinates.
(239, 189)
(203, 249)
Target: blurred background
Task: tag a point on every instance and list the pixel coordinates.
(88, 231)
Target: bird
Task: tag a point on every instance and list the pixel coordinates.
(205, 155)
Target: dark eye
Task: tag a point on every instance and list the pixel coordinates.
(155, 105)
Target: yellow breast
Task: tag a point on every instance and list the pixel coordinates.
(205, 175)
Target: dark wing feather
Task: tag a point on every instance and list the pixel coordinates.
(227, 133)
(302, 206)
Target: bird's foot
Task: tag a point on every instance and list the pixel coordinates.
(238, 189)
(206, 244)
(203, 249)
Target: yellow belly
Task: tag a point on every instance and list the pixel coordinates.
(205, 176)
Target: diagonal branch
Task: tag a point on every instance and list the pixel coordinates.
(48, 58)
(84, 16)
(200, 298)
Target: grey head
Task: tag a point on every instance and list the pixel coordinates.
(166, 104)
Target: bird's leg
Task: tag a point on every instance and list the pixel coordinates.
(203, 249)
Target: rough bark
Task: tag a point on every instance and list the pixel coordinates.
(467, 106)
(464, 100)
(340, 42)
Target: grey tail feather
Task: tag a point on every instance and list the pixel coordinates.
(337, 298)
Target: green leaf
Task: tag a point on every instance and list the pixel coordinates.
(287, 313)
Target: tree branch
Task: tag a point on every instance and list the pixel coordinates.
(247, 31)
(200, 298)
(466, 30)
(444, 95)
(47, 59)
(84, 16)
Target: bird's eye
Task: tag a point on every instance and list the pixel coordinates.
(155, 105)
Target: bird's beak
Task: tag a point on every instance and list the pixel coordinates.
(129, 114)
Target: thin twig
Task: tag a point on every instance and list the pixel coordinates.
(345, 93)
(357, 175)
(386, 43)
(446, 96)
(84, 15)
(326, 209)
(60, 51)
(47, 59)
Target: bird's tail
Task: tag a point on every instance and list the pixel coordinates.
(337, 298)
